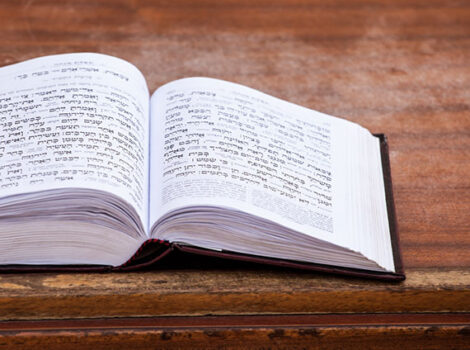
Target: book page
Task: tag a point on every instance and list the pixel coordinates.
(75, 120)
(222, 144)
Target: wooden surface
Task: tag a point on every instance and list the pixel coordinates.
(396, 67)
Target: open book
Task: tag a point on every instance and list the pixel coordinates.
(94, 171)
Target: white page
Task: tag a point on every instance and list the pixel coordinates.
(217, 143)
(75, 120)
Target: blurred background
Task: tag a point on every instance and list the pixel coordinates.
(395, 67)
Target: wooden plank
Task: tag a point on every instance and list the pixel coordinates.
(275, 320)
(256, 332)
(225, 292)
(363, 337)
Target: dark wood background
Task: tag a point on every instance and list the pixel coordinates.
(396, 67)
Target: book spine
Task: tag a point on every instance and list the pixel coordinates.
(148, 253)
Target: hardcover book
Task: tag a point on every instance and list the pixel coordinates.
(97, 174)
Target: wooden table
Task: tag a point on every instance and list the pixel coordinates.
(397, 67)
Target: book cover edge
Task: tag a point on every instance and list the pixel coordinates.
(398, 275)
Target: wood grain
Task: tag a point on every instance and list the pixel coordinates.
(422, 337)
(225, 292)
(244, 332)
(396, 67)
